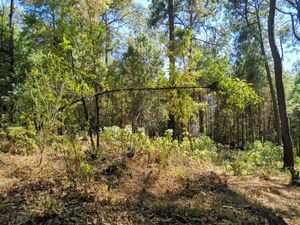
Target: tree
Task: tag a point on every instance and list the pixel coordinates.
(291, 8)
(269, 76)
(162, 9)
(251, 34)
(286, 137)
(140, 67)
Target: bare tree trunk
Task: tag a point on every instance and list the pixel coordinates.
(237, 116)
(2, 30)
(191, 25)
(171, 122)
(269, 77)
(201, 122)
(171, 39)
(11, 55)
(217, 122)
(243, 129)
(286, 137)
(88, 122)
(97, 120)
(11, 42)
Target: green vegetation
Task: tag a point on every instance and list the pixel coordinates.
(149, 111)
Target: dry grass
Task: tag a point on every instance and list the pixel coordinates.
(274, 193)
(139, 191)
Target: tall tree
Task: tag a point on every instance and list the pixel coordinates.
(172, 122)
(11, 42)
(291, 8)
(269, 76)
(252, 14)
(286, 137)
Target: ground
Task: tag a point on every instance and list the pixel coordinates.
(139, 191)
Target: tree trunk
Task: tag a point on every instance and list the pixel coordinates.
(201, 117)
(11, 42)
(201, 122)
(87, 119)
(171, 122)
(97, 120)
(2, 30)
(171, 40)
(269, 77)
(243, 129)
(286, 137)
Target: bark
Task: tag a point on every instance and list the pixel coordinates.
(237, 123)
(217, 126)
(11, 42)
(191, 25)
(286, 137)
(201, 122)
(171, 38)
(171, 122)
(270, 82)
(107, 44)
(97, 120)
(97, 107)
(201, 115)
(250, 124)
(88, 122)
(2, 31)
(243, 129)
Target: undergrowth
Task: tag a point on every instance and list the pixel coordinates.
(261, 159)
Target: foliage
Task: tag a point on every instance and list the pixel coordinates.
(259, 158)
(18, 140)
(49, 205)
(264, 154)
(62, 63)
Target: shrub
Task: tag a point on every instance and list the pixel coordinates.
(204, 147)
(264, 154)
(18, 140)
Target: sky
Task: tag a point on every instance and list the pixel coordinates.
(288, 60)
(143, 2)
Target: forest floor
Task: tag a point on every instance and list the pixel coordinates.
(136, 191)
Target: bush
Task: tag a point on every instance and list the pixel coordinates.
(204, 147)
(18, 140)
(160, 148)
(264, 154)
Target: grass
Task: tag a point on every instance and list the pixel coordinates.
(139, 190)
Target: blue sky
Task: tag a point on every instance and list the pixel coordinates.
(289, 57)
(143, 2)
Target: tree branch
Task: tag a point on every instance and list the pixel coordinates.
(132, 89)
(294, 28)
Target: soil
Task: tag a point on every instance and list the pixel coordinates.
(137, 191)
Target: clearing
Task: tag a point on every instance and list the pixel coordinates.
(138, 191)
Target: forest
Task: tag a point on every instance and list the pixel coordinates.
(149, 112)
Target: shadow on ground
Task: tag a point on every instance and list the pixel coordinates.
(204, 200)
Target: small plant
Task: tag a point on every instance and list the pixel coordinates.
(239, 167)
(205, 148)
(79, 171)
(50, 205)
(267, 156)
(18, 140)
